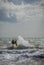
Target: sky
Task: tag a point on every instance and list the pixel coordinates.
(22, 17)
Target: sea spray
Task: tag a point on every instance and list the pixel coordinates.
(23, 42)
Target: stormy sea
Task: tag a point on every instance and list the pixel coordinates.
(28, 56)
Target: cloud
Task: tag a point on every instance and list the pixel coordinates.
(18, 2)
(7, 11)
(29, 18)
(20, 13)
(31, 1)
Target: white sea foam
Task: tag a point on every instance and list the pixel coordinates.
(22, 56)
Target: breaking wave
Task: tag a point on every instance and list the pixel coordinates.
(30, 56)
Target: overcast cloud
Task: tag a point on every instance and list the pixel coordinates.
(22, 17)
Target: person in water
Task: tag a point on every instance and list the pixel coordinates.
(14, 43)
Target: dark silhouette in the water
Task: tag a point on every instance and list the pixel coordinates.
(14, 42)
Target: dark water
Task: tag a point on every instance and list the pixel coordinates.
(22, 57)
(31, 56)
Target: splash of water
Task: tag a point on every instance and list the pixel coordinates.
(23, 42)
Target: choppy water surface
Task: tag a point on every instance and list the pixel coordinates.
(31, 56)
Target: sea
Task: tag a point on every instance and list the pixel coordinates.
(29, 56)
